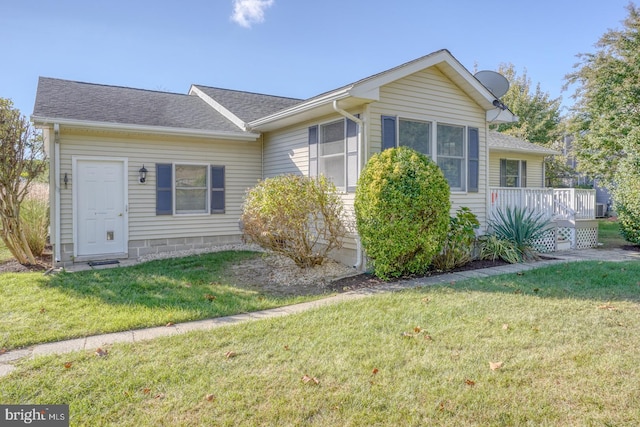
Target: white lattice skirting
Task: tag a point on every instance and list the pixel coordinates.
(547, 243)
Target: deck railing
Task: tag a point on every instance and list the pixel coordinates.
(553, 203)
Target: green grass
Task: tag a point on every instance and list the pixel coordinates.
(37, 308)
(609, 234)
(567, 337)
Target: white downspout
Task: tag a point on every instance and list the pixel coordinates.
(360, 122)
(56, 166)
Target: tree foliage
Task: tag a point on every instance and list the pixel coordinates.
(297, 216)
(402, 211)
(21, 161)
(539, 113)
(606, 117)
(539, 117)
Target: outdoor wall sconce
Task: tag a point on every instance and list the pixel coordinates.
(65, 180)
(143, 174)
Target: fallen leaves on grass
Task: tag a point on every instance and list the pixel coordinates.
(101, 353)
(230, 354)
(417, 331)
(375, 371)
(505, 326)
(607, 306)
(494, 366)
(469, 382)
(310, 380)
(210, 297)
(169, 324)
(210, 397)
(68, 365)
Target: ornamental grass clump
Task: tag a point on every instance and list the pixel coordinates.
(296, 216)
(402, 212)
(521, 228)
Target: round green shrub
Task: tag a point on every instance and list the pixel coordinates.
(402, 212)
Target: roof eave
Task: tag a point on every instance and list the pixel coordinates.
(41, 121)
(524, 151)
(303, 109)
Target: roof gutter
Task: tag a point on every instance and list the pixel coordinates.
(361, 148)
(155, 130)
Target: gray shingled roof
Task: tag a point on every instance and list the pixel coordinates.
(65, 99)
(501, 141)
(248, 106)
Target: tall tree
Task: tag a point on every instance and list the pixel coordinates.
(539, 113)
(606, 117)
(21, 161)
(540, 121)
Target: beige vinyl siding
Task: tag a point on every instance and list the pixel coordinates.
(242, 163)
(535, 167)
(429, 95)
(287, 152)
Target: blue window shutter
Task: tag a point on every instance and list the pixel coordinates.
(388, 132)
(474, 160)
(164, 186)
(313, 151)
(217, 189)
(352, 155)
(503, 172)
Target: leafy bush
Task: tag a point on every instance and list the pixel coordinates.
(402, 212)
(458, 247)
(520, 227)
(34, 216)
(296, 216)
(627, 206)
(493, 248)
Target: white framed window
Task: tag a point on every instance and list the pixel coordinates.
(189, 189)
(333, 152)
(513, 173)
(415, 134)
(455, 148)
(451, 154)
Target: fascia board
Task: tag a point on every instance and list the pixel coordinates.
(218, 107)
(155, 130)
(301, 108)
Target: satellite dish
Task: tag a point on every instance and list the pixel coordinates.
(495, 82)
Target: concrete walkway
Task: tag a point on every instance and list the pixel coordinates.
(91, 343)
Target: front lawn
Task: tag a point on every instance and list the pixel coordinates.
(609, 234)
(37, 308)
(554, 346)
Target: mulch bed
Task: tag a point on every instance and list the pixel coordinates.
(367, 280)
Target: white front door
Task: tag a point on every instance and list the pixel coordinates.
(100, 207)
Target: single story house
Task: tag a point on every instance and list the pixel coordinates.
(136, 171)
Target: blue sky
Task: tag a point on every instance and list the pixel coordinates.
(296, 48)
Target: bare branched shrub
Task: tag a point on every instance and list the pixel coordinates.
(296, 216)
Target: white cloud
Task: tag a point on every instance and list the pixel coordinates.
(248, 12)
